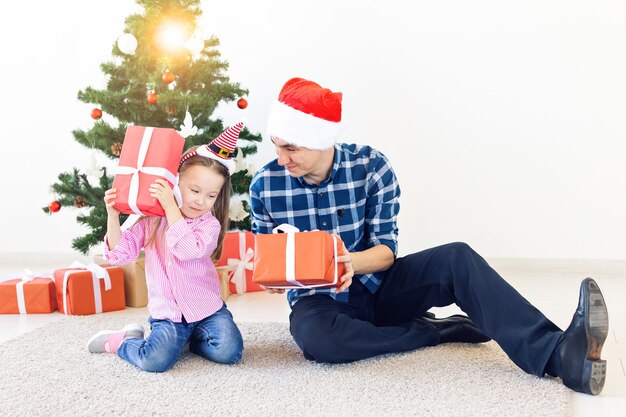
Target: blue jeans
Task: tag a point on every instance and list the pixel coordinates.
(215, 338)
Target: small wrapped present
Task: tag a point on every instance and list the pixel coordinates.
(33, 293)
(89, 289)
(135, 287)
(238, 257)
(148, 153)
(224, 276)
(297, 259)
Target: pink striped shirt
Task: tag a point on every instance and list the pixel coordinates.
(181, 277)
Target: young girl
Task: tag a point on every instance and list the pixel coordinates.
(183, 288)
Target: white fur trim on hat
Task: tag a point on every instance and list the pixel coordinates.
(301, 129)
(207, 153)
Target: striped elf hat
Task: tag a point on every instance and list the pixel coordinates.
(222, 148)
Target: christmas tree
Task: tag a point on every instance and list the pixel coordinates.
(161, 75)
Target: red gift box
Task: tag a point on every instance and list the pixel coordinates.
(298, 259)
(89, 289)
(30, 295)
(148, 153)
(238, 257)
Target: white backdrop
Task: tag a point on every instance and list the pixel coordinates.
(504, 121)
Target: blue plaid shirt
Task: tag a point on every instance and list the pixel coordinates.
(358, 201)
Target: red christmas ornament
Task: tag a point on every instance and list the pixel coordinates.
(54, 206)
(152, 98)
(242, 103)
(168, 77)
(96, 114)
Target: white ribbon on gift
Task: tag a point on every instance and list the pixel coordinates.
(239, 266)
(19, 287)
(134, 181)
(97, 273)
(290, 258)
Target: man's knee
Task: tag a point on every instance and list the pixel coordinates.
(316, 339)
(455, 252)
(460, 248)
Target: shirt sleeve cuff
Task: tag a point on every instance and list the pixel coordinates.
(390, 244)
(106, 252)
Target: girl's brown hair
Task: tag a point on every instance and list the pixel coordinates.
(220, 208)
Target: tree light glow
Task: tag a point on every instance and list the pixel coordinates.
(172, 35)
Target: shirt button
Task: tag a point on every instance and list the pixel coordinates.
(321, 193)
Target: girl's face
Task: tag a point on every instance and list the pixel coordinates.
(199, 187)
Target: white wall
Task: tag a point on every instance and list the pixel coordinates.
(504, 121)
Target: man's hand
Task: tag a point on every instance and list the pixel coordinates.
(346, 258)
(273, 290)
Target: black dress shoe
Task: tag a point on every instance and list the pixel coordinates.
(457, 329)
(581, 344)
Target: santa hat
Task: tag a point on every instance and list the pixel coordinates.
(306, 115)
(222, 148)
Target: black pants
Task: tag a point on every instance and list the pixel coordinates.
(388, 321)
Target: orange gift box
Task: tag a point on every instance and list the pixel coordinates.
(297, 260)
(27, 296)
(89, 289)
(238, 257)
(148, 154)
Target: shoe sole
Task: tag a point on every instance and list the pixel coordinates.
(597, 328)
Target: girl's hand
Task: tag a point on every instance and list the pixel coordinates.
(346, 258)
(109, 197)
(161, 190)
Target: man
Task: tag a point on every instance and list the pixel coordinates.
(382, 304)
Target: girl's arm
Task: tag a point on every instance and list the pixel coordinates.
(114, 231)
(187, 243)
(121, 248)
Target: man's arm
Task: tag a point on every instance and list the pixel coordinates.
(380, 216)
(375, 259)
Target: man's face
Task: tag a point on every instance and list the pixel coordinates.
(298, 161)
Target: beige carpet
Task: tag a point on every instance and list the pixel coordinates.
(49, 373)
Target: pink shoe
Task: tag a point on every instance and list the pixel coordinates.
(110, 340)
